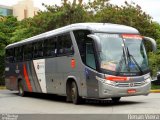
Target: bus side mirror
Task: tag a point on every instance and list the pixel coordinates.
(154, 45)
(96, 42)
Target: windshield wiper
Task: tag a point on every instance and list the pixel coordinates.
(121, 62)
(131, 56)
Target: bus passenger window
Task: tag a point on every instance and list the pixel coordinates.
(65, 46)
(90, 58)
(18, 54)
(50, 47)
(10, 55)
(38, 49)
(28, 52)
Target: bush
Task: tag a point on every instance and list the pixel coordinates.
(154, 63)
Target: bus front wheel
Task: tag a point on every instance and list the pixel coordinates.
(76, 99)
(21, 91)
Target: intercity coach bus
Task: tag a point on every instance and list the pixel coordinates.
(83, 60)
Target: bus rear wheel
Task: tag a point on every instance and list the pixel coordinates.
(76, 99)
(21, 91)
(116, 99)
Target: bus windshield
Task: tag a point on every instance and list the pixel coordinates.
(122, 54)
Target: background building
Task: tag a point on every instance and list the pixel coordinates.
(23, 9)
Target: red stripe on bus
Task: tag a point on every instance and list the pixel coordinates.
(27, 78)
(117, 78)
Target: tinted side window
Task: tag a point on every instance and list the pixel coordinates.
(38, 49)
(10, 55)
(81, 37)
(65, 46)
(50, 47)
(18, 54)
(90, 57)
(28, 52)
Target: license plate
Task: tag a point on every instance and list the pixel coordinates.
(131, 91)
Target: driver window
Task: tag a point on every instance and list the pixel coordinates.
(90, 57)
(86, 48)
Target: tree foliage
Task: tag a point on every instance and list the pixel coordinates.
(7, 27)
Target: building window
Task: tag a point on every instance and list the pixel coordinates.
(6, 12)
(25, 13)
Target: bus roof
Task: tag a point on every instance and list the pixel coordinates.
(94, 27)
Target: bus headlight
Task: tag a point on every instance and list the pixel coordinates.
(110, 82)
(148, 80)
(105, 81)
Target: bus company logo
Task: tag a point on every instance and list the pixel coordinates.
(40, 66)
(131, 84)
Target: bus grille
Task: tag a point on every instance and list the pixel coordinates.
(133, 84)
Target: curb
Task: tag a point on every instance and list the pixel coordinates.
(2, 88)
(155, 91)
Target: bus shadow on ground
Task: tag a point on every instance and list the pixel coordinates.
(109, 102)
(88, 102)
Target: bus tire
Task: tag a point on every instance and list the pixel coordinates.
(116, 99)
(21, 91)
(76, 99)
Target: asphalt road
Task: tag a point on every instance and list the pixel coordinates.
(10, 102)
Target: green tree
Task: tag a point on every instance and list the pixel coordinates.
(7, 27)
(26, 28)
(66, 14)
(54, 17)
(154, 59)
(128, 14)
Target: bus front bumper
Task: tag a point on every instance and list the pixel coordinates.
(109, 91)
